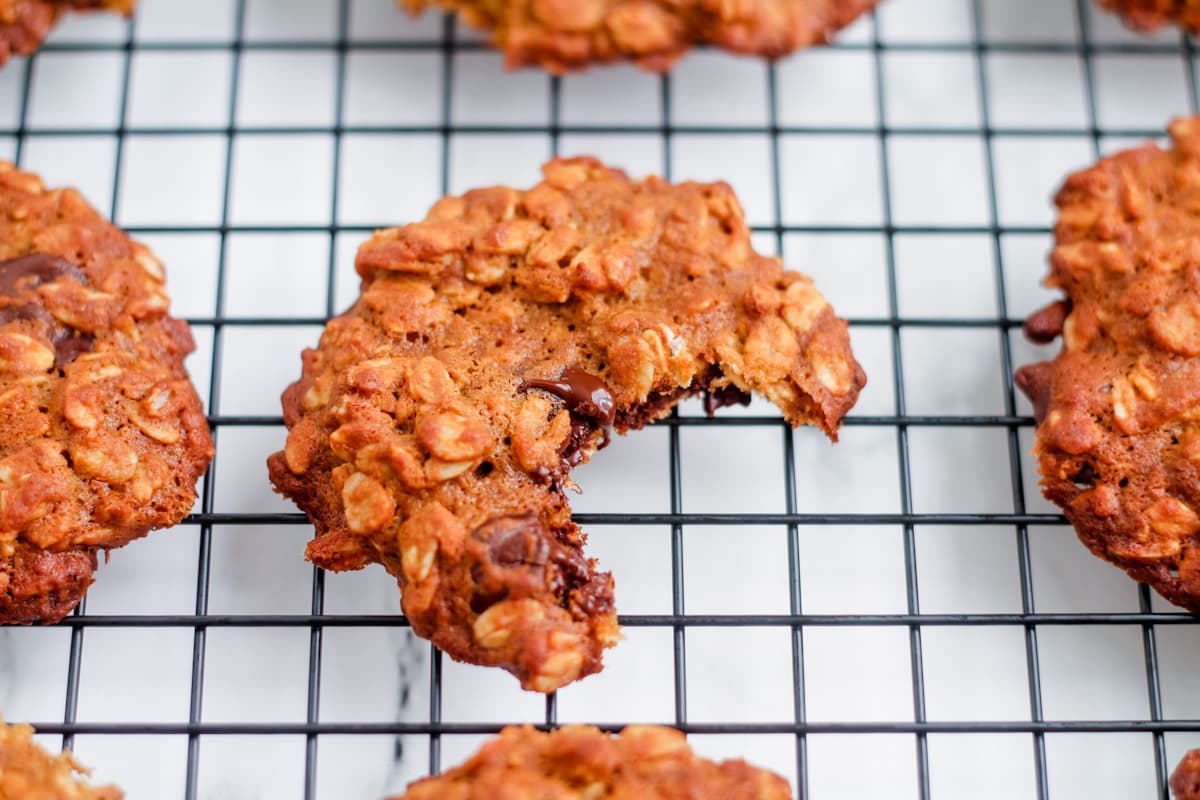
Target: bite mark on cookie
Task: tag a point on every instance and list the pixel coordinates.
(495, 346)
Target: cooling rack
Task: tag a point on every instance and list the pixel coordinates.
(898, 615)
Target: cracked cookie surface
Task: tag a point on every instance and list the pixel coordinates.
(27, 772)
(492, 347)
(103, 437)
(1150, 15)
(25, 23)
(643, 762)
(1118, 410)
(565, 35)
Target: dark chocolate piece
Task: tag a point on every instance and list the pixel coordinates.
(517, 539)
(722, 397)
(27, 272)
(583, 393)
(70, 344)
(23, 312)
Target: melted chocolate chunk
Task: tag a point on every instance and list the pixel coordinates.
(580, 436)
(574, 581)
(594, 598)
(725, 396)
(24, 312)
(641, 414)
(573, 564)
(70, 344)
(27, 272)
(1045, 325)
(513, 540)
(583, 393)
(521, 540)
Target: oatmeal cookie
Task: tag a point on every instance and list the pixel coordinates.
(1185, 780)
(643, 762)
(25, 23)
(103, 437)
(1118, 410)
(1150, 15)
(493, 347)
(27, 772)
(565, 35)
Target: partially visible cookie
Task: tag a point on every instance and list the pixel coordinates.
(565, 35)
(25, 23)
(643, 762)
(27, 772)
(1185, 780)
(1118, 410)
(102, 437)
(1150, 15)
(494, 347)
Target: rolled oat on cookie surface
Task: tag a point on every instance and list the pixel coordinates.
(493, 348)
(1118, 409)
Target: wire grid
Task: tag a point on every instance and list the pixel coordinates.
(449, 45)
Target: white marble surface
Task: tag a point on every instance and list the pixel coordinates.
(861, 674)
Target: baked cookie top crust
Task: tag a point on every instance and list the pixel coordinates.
(493, 347)
(27, 772)
(1118, 410)
(103, 436)
(565, 35)
(643, 762)
(1150, 15)
(25, 23)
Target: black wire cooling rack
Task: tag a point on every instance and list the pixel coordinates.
(448, 45)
